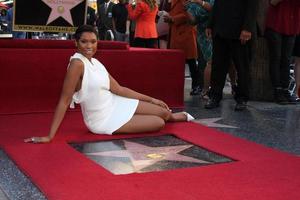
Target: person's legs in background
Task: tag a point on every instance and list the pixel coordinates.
(206, 82)
(139, 42)
(241, 57)
(286, 55)
(297, 75)
(232, 76)
(201, 66)
(296, 53)
(220, 63)
(145, 42)
(195, 75)
(280, 51)
(274, 45)
(131, 33)
(163, 42)
(205, 47)
(151, 43)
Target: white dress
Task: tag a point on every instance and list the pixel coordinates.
(103, 112)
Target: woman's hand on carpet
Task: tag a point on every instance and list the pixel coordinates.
(45, 139)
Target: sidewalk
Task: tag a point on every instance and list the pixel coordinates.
(266, 123)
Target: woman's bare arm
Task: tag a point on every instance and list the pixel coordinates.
(73, 75)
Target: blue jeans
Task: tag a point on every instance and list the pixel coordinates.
(280, 51)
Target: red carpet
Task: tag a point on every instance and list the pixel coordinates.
(61, 172)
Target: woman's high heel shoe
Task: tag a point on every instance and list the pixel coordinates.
(188, 116)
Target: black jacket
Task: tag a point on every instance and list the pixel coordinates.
(104, 22)
(230, 17)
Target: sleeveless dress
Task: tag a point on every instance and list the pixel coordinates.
(103, 112)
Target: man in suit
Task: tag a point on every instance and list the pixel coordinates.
(232, 27)
(120, 15)
(104, 22)
(91, 16)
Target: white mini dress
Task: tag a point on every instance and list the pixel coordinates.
(103, 112)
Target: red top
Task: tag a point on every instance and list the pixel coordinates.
(145, 20)
(284, 18)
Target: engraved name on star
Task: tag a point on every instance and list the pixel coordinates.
(61, 8)
(142, 156)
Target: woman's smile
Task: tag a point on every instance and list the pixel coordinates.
(87, 44)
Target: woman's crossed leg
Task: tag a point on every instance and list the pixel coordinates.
(150, 117)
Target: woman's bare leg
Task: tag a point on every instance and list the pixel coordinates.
(150, 117)
(207, 72)
(142, 123)
(146, 108)
(178, 117)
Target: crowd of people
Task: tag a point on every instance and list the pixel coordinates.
(217, 39)
(222, 34)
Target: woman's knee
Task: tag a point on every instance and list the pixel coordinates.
(159, 123)
(146, 108)
(165, 114)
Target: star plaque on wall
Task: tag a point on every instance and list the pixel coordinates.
(49, 15)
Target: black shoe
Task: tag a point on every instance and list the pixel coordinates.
(196, 91)
(212, 103)
(281, 100)
(291, 98)
(240, 106)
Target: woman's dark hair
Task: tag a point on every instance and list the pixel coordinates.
(83, 29)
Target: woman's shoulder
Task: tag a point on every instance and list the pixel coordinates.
(76, 55)
(76, 63)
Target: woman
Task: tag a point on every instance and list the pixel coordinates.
(144, 14)
(199, 11)
(106, 106)
(164, 8)
(183, 36)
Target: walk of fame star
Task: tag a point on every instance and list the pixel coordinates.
(62, 9)
(212, 122)
(142, 156)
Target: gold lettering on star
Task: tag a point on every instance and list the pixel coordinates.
(154, 155)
